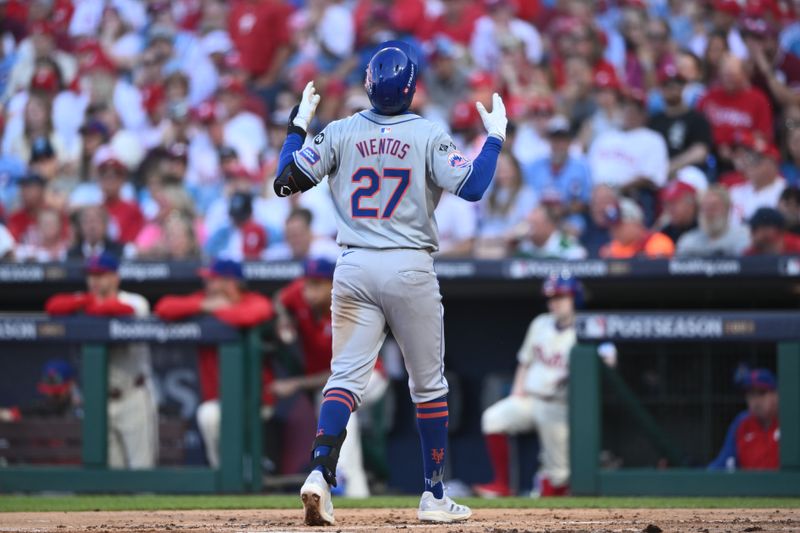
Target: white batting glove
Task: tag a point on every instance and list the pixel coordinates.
(496, 121)
(308, 105)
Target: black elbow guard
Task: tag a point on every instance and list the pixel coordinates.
(292, 180)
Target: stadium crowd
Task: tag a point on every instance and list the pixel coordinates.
(151, 128)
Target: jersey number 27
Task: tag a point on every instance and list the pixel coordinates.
(371, 185)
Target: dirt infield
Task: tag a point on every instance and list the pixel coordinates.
(489, 520)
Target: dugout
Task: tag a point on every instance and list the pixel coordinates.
(489, 305)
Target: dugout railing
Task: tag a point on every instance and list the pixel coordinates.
(585, 402)
(240, 389)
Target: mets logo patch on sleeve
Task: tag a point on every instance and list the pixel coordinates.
(310, 155)
(457, 160)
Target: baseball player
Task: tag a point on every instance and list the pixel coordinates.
(538, 399)
(132, 413)
(386, 170)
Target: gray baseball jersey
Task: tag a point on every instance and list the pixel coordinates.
(386, 175)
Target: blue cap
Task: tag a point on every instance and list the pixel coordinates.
(57, 375)
(101, 264)
(223, 268)
(95, 126)
(749, 379)
(41, 149)
(319, 268)
(392, 78)
(31, 178)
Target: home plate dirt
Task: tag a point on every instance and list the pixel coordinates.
(483, 520)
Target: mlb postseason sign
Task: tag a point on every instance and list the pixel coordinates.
(690, 326)
(101, 330)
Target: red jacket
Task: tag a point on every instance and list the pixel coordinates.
(77, 302)
(128, 219)
(731, 113)
(251, 310)
(314, 330)
(258, 30)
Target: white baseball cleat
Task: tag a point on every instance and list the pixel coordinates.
(444, 510)
(316, 496)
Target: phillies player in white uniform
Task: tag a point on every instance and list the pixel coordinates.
(386, 170)
(538, 399)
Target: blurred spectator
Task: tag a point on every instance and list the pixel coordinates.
(561, 176)
(777, 71)
(132, 414)
(753, 438)
(456, 21)
(244, 239)
(630, 238)
(734, 107)
(530, 140)
(59, 396)
(171, 199)
(686, 132)
(22, 222)
(457, 221)
(608, 116)
(37, 123)
(759, 166)
(545, 241)
(225, 297)
(506, 206)
(446, 79)
(723, 16)
(602, 213)
(299, 240)
(499, 29)
(126, 217)
(716, 235)
(634, 160)
(789, 206)
(92, 236)
(768, 234)
(790, 168)
(261, 33)
(679, 200)
(51, 245)
(243, 130)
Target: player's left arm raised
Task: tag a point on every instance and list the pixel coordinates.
(470, 179)
(300, 169)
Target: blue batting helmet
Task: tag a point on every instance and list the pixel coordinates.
(561, 284)
(392, 78)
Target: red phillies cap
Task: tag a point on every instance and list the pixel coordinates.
(44, 79)
(604, 79)
(464, 115)
(746, 139)
(669, 72)
(106, 156)
(757, 26)
(481, 80)
(676, 190)
(205, 112)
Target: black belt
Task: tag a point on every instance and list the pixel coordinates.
(116, 394)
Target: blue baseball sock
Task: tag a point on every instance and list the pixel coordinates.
(432, 425)
(333, 417)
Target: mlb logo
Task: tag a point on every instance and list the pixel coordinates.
(594, 327)
(384, 131)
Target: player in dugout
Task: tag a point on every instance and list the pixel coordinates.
(304, 313)
(132, 413)
(753, 438)
(538, 400)
(224, 296)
